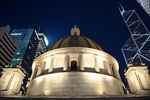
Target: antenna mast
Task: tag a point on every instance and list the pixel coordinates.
(39, 29)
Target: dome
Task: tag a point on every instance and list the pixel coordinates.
(75, 40)
(75, 66)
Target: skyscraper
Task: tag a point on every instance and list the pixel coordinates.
(136, 49)
(136, 53)
(42, 46)
(8, 47)
(28, 43)
(146, 5)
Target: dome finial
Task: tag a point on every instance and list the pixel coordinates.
(75, 30)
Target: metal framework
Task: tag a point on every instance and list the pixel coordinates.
(137, 48)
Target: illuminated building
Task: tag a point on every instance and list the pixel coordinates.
(75, 66)
(146, 5)
(28, 42)
(8, 47)
(11, 81)
(42, 46)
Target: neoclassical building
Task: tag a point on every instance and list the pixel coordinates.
(75, 66)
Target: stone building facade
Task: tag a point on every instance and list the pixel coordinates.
(75, 65)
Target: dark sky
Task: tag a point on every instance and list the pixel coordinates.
(99, 20)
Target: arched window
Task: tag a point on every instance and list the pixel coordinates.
(73, 65)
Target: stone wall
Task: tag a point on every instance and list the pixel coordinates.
(75, 84)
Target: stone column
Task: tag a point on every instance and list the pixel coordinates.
(40, 68)
(116, 73)
(51, 65)
(35, 72)
(66, 63)
(107, 67)
(81, 63)
(97, 69)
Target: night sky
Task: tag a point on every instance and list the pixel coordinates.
(99, 20)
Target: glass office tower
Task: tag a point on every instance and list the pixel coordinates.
(28, 43)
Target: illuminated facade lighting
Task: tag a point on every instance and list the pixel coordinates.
(75, 65)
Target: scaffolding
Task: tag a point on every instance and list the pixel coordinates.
(137, 48)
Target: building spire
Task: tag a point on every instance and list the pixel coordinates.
(121, 9)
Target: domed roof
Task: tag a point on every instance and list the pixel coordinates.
(75, 40)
